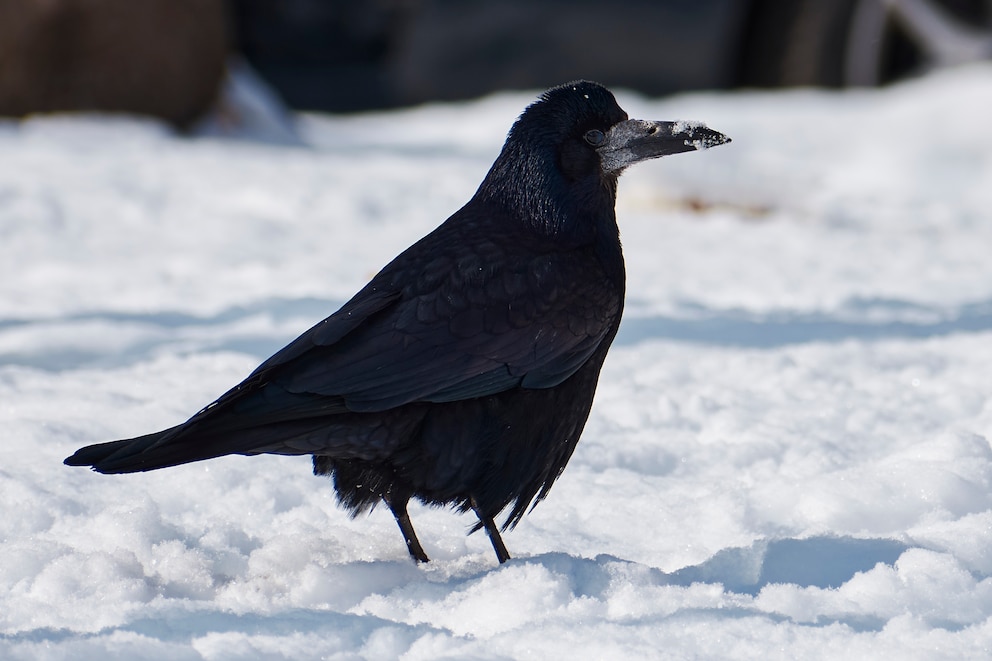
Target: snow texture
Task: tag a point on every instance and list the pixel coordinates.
(789, 455)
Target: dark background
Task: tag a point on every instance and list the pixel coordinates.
(167, 57)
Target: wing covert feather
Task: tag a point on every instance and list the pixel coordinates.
(438, 325)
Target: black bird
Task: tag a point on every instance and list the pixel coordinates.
(464, 372)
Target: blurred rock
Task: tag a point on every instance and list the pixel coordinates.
(163, 58)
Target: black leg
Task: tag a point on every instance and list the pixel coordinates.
(493, 532)
(398, 508)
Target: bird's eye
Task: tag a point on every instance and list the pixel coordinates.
(594, 137)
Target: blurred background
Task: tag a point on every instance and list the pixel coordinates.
(171, 58)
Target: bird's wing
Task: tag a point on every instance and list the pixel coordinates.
(469, 325)
(431, 327)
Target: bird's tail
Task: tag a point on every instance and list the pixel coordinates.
(266, 422)
(144, 453)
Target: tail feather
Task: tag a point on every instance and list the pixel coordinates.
(132, 455)
(93, 454)
(246, 420)
(192, 441)
(170, 447)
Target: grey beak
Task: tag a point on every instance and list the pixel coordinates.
(638, 140)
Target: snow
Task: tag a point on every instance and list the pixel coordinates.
(789, 455)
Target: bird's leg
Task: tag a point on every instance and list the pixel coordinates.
(397, 506)
(487, 521)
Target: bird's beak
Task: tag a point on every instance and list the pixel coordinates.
(638, 140)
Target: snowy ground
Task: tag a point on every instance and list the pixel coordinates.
(789, 455)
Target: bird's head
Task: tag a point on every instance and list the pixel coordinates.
(563, 155)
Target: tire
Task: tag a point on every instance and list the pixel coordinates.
(860, 42)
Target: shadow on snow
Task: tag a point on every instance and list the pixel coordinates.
(862, 319)
(115, 339)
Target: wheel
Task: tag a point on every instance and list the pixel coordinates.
(860, 42)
